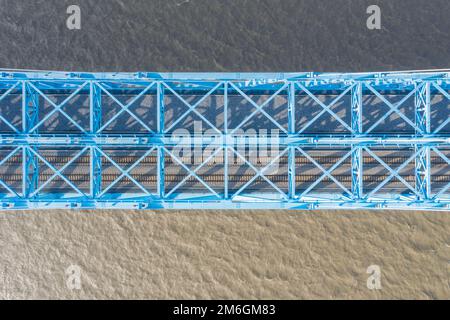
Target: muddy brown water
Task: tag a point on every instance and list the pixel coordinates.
(224, 254)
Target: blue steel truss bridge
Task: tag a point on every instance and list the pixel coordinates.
(225, 140)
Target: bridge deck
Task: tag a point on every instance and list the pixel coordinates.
(293, 140)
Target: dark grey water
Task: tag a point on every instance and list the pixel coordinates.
(224, 35)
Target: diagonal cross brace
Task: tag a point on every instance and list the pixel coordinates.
(127, 172)
(259, 173)
(1, 163)
(124, 172)
(447, 121)
(326, 173)
(125, 108)
(259, 108)
(57, 107)
(192, 173)
(56, 171)
(60, 170)
(393, 108)
(326, 108)
(394, 173)
(1, 98)
(192, 108)
(447, 160)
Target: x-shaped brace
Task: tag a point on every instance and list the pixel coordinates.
(259, 108)
(447, 160)
(192, 108)
(1, 163)
(124, 173)
(394, 173)
(60, 170)
(56, 171)
(445, 94)
(326, 108)
(125, 108)
(260, 173)
(326, 173)
(1, 98)
(57, 107)
(393, 108)
(194, 173)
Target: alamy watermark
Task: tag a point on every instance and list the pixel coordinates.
(374, 280)
(258, 148)
(76, 278)
(374, 20)
(73, 280)
(73, 22)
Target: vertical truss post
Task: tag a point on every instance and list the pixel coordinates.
(96, 107)
(30, 171)
(96, 172)
(95, 125)
(160, 129)
(30, 117)
(357, 158)
(291, 131)
(30, 108)
(423, 128)
(225, 131)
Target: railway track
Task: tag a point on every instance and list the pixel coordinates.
(218, 178)
(212, 173)
(152, 160)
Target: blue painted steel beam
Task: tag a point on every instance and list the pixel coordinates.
(423, 124)
(357, 129)
(160, 128)
(95, 108)
(274, 101)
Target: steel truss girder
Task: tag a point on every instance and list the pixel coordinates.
(110, 140)
(423, 125)
(355, 142)
(357, 128)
